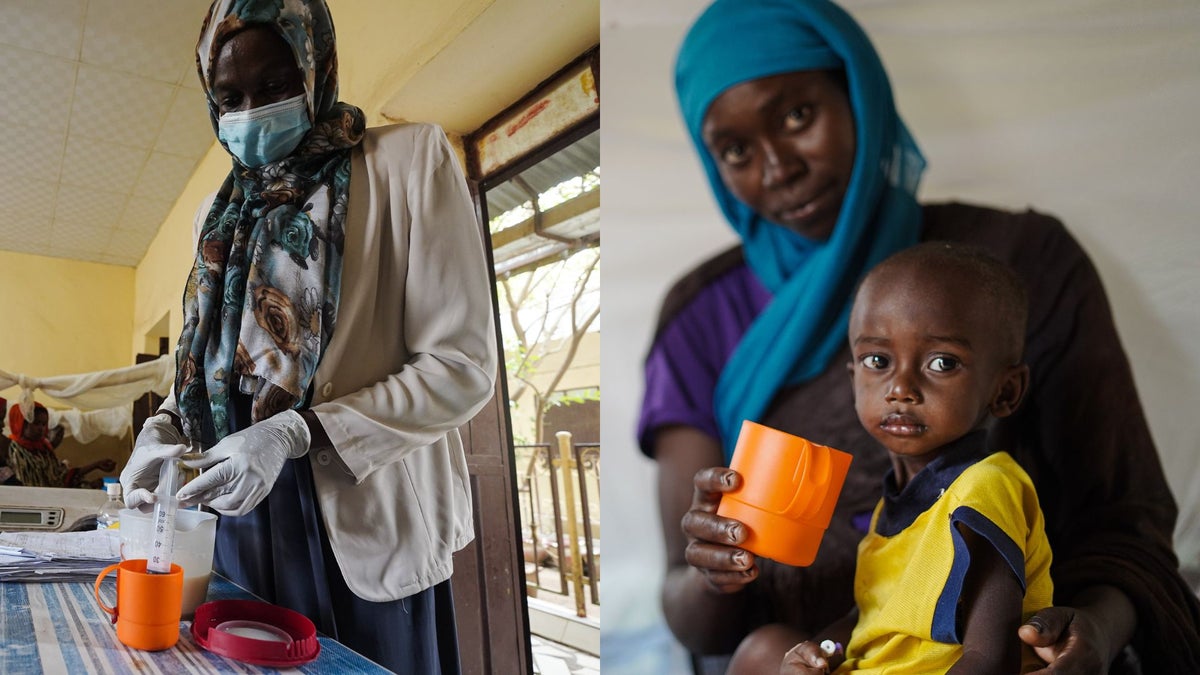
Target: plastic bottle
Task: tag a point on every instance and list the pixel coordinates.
(109, 516)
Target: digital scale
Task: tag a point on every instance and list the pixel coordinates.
(47, 509)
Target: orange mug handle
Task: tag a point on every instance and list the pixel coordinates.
(100, 579)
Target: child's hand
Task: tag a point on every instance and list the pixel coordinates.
(808, 658)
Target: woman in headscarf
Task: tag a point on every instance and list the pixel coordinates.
(30, 455)
(338, 330)
(792, 116)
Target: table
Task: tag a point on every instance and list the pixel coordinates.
(56, 627)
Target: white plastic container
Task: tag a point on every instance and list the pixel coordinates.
(195, 537)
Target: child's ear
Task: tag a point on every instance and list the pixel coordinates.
(1010, 389)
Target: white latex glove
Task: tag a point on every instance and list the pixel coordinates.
(158, 440)
(241, 469)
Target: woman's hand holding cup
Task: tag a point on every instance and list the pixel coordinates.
(713, 541)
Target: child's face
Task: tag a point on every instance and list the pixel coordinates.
(35, 429)
(927, 363)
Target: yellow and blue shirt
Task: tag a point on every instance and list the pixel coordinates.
(913, 561)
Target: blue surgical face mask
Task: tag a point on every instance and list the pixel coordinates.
(265, 134)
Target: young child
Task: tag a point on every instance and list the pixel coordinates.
(956, 555)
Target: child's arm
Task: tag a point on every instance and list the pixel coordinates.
(991, 611)
(807, 658)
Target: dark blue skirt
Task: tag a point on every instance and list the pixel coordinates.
(281, 553)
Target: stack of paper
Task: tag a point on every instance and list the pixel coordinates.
(57, 556)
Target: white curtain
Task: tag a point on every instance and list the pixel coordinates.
(101, 402)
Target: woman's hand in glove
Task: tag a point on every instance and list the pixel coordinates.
(241, 469)
(158, 440)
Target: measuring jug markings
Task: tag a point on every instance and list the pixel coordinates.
(193, 543)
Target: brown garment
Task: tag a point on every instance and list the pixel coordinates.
(1080, 434)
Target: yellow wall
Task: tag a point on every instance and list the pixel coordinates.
(64, 316)
(159, 280)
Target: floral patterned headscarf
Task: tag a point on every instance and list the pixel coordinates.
(261, 301)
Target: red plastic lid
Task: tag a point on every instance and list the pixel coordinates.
(255, 632)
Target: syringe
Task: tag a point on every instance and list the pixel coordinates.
(162, 544)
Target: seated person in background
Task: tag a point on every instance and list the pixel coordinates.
(31, 452)
(7, 475)
(956, 556)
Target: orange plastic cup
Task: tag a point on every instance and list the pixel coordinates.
(789, 488)
(148, 605)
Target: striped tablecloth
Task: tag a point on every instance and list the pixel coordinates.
(57, 628)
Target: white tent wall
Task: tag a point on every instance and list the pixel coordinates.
(1082, 109)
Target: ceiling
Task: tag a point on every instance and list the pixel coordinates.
(104, 120)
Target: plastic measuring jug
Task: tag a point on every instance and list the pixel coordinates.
(195, 536)
(789, 489)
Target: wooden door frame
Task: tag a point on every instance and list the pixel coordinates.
(492, 612)
(490, 570)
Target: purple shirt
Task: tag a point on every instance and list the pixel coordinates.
(690, 351)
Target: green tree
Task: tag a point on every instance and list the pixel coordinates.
(549, 310)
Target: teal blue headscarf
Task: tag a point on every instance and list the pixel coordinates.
(804, 326)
